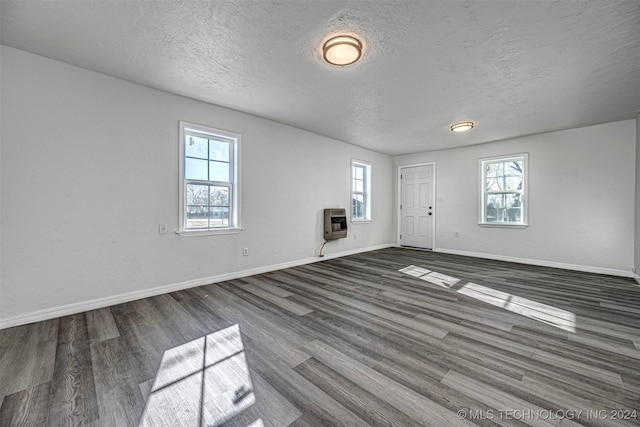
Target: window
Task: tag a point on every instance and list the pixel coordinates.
(209, 179)
(503, 188)
(360, 191)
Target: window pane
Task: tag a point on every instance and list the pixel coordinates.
(514, 214)
(219, 196)
(504, 208)
(219, 171)
(358, 185)
(514, 168)
(195, 169)
(495, 184)
(195, 147)
(513, 207)
(357, 209)
(218, 150)
(197, 217)
(197, 194)
(358, 172)
(513, 183)
(494, 169)
(219, 217)
(504, 176)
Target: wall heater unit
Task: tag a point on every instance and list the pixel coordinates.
(335, 224)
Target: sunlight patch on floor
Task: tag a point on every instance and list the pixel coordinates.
(202, 382)
(544, 313)
(548, 314)
(414, 271)
(440, 279)
(430, 276)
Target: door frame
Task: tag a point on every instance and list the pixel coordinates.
(399, 201)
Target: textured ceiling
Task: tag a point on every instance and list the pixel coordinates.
(514, 67)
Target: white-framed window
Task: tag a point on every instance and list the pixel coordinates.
(503, 190)
(209, 184)
(360, 191)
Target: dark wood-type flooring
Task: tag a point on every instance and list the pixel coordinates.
(348, 341)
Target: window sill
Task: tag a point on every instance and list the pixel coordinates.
(361, 221)
(501, 225)
(199, 233)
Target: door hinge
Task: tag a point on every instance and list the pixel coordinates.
(401, 237)
(400, 206)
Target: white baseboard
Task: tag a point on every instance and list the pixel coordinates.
(576, 267)
(66, 310)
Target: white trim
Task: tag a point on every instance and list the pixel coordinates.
(234, 165)
(367, 190)
(209, 232)
(524, 196)
(542, 263)
(79, 307)
(502, 225)
(399, 202)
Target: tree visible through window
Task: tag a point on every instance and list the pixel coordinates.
(503, 190)
(209, 172)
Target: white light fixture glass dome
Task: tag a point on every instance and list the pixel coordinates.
(342, 50)
(462, 126)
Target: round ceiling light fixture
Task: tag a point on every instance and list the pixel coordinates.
(462, 126)
(342, 50)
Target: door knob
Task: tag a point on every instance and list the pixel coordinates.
(430, 213)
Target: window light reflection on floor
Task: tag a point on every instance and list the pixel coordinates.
(548, 314)
(430, 276)
(202, 382)
(414, 271)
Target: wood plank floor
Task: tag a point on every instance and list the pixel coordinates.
(349, 341)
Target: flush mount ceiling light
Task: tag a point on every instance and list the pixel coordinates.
(462, 126)
(342, 50)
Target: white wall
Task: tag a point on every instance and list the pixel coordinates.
(90, 168)
(581, 199)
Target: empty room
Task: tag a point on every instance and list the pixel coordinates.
(319, 213)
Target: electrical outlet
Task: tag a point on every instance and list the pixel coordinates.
(245, 252)
(162, 228)
(457, 234)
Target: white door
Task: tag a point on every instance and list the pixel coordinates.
(417, 209)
